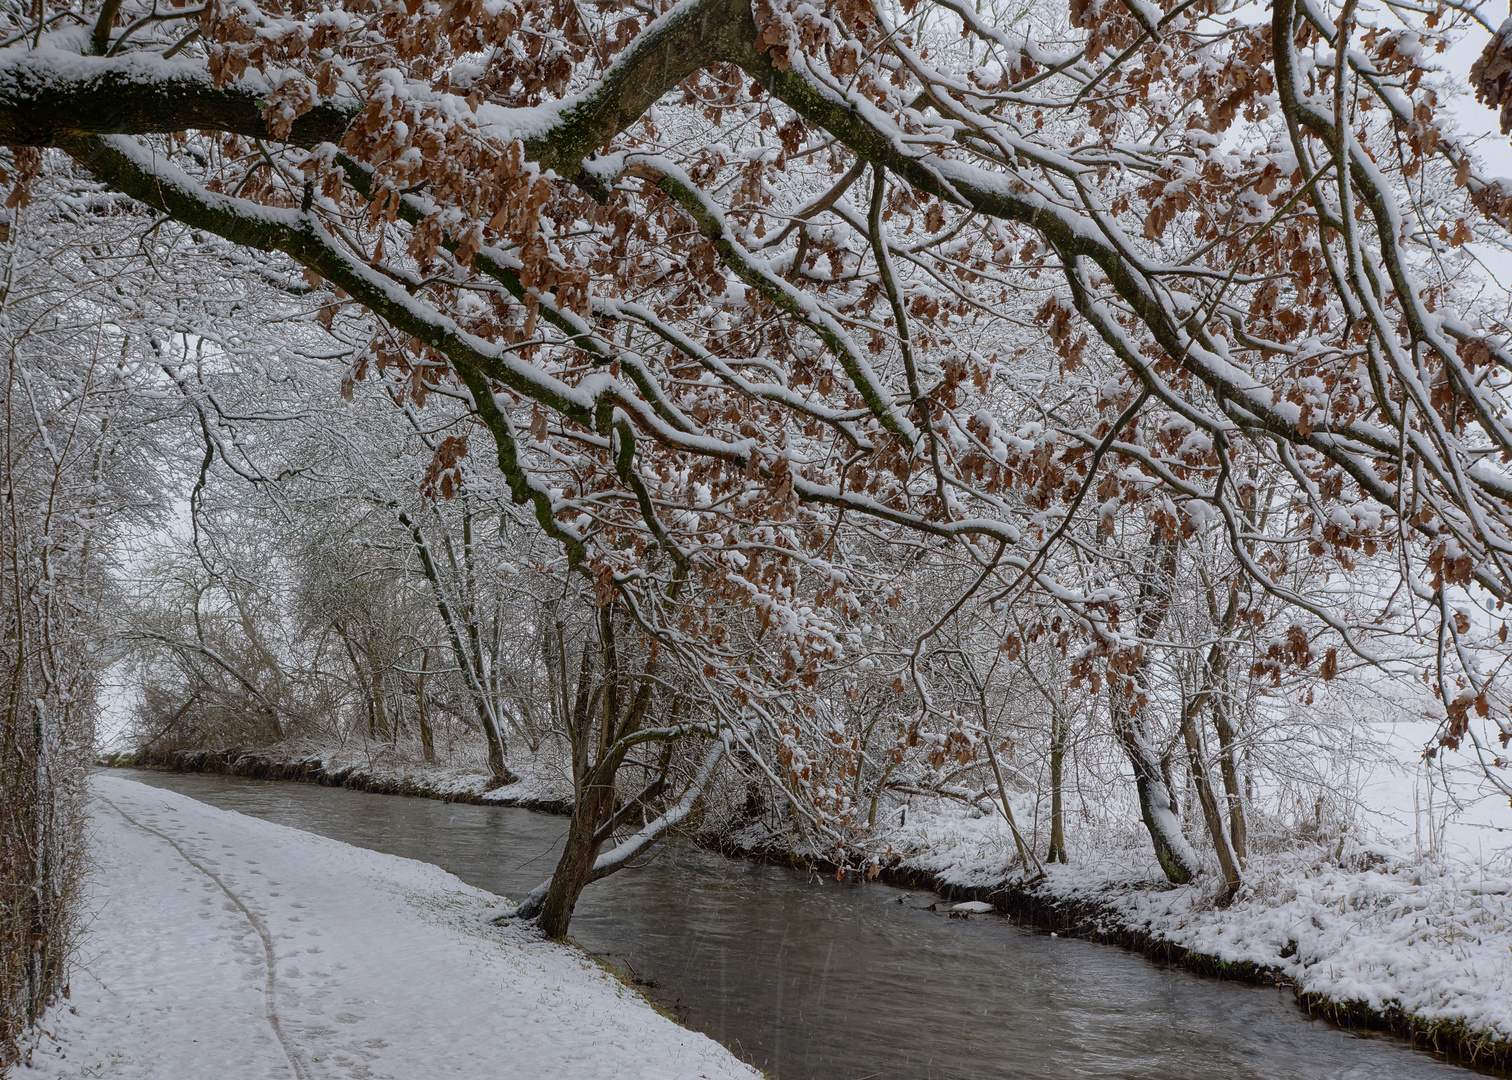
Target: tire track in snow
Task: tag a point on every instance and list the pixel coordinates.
(270, 993)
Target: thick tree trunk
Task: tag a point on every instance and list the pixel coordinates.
(600, 722)
(593, 809)
(496, 766)
(1156, 806)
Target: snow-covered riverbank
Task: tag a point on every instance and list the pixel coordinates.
(1385, 934)
(1373, 935)
(1398, 917)
(220, 945)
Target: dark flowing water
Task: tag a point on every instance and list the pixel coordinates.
(812, 979)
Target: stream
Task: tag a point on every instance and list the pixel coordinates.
(808, 978)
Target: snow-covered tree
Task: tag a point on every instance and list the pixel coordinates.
(77, 471)
(756, 301)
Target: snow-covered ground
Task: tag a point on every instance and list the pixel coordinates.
(1406, 907)
(1444, 807)
(542, 778)
(1352, 923)
(224, 946)
(1399, 899)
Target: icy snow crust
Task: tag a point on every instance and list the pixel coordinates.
(221, 945)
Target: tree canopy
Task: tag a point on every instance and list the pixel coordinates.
(1150, 330)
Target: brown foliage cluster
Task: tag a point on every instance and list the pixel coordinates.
(1059, 295)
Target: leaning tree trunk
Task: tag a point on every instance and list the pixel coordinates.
(1210, 812)
(599, 748)
(1156, 806)
(1213, 673)
(501, 772)
(1228, 765)
(1216, 678)
(593, 809)
(364, 686)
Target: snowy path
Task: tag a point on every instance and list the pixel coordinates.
(230, 947)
